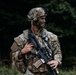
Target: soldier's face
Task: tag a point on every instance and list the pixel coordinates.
(41, 22)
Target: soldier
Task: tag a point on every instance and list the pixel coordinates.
(21, 49)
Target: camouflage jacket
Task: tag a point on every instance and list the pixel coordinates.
(30, 59)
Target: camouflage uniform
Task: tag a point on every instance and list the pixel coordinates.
(27, 61)
(30, 59)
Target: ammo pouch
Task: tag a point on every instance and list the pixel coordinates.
(33, 59)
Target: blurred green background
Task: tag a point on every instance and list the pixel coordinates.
(61, 20)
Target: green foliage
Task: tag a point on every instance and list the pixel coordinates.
(61, 20)
(13, 71)
(9, 71)
(62, 17)
(69, 72)
(61, 14)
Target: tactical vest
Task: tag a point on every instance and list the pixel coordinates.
(30, 59)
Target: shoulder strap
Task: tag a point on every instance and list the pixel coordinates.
(46, 38)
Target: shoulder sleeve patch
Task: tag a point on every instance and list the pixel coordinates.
(14, 47)
(20, 39)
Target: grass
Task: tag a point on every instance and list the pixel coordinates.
(69, 72)
(9, 71)
(4, 70)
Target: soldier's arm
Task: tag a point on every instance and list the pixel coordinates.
(57, 51)
(17, 57)
(55, 47)
(57, 55)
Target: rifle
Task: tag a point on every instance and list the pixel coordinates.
(43, 54)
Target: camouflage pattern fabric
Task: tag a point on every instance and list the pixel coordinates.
(35, 13)
(19, 43)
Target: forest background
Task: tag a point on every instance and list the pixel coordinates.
(61, 20)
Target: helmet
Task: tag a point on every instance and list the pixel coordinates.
(35, 13)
